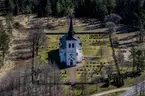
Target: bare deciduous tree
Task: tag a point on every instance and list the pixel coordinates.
(84, 78)
(38, 39)
(120, 59)
(111, 22)
(4, 41)
(18, 82)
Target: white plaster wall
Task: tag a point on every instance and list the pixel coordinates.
(79, 56)
(70, 51)
(79, 51)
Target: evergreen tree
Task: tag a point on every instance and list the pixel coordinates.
(4, 41)
(132, 11)
(9, 23)
(9, 6)
(133, 58)
(111, 4)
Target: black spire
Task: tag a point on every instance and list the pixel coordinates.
(71, 29)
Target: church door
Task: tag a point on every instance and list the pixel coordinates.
(71, 62)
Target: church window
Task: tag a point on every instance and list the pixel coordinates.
(73, 46)
(69, 46)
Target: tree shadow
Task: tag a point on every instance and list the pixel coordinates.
(93, 27)
(89, 21)
(128, 37)
(127, 44)
(93, 58)
(126, 29)
(130, 75)
(53, 56)
(106, 85)
(51, 27)
(3, 14)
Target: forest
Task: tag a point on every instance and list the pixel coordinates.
(131, 11)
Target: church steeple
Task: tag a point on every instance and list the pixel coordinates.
(71, 29)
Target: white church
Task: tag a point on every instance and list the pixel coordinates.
(70, 48)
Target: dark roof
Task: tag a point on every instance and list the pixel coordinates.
(63, 40)
(71, 31)
(70, 38)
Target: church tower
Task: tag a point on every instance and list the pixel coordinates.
(71, 46)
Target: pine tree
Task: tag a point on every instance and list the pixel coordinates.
(133, 58)
(4, 41)
(9, 6)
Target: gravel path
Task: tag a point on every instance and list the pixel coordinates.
(72, 74)
(112, 91)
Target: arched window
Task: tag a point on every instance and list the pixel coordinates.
(73, 45)
(69, 46)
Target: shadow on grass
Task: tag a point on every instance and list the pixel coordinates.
(53, 56)
(128, 38)
(127, 44)
(87, 28)
(126, 29)
(106, 85)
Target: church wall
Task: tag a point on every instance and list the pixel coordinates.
(71, 53)
(62, 55)
(79, 51)
(79, 55)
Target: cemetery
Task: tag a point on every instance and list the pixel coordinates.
(94, 63)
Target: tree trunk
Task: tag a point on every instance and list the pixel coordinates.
(3, 56)
(139, 61)
(119, 80)
(141, 34)
(33, 56)
(133, 67)
(114, 56)
(37, 47)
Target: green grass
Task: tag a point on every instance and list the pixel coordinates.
(88, 50)
(43, 54)
(78, 92)
(89, 66)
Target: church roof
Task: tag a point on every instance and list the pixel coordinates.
(63, 42)
(69, 36)
(64, 39)
(71, 31)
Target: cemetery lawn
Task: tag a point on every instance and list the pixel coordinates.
(98, 55)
